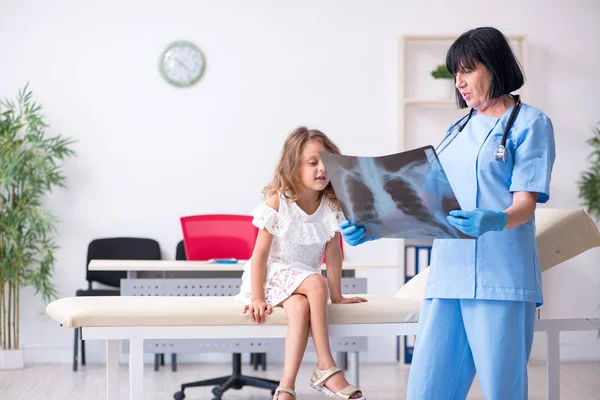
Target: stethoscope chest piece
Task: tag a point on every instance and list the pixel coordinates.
(500, 154)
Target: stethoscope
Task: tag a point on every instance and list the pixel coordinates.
(499, 154)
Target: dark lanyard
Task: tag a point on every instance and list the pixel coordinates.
(499, 154)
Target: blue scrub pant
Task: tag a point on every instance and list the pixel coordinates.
(458, 337)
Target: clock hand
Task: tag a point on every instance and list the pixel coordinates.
(182, 64)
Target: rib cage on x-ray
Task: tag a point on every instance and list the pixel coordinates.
(405, 195)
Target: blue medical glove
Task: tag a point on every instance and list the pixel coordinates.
(352, 234)
(477, 222)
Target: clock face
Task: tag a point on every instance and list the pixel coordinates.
(181, 64)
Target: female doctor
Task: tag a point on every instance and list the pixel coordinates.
(481, 295)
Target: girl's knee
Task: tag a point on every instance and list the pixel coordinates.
(297, 304)
(317, 284)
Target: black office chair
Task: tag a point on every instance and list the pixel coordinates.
(120, 248)
(180, 252)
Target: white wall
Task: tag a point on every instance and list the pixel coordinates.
(149, 153)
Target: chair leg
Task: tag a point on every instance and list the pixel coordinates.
(259, 383)
(257, 361)
(234, 381)
(75, 348)
(174, 362)
(82, 352)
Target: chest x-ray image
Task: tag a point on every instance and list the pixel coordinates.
(404, 195)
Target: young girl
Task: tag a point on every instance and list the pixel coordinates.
(299, 223)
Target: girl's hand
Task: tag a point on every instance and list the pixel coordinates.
(257, 310)
(349, 300)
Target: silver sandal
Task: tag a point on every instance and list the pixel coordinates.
(283, 389)
(318, 379)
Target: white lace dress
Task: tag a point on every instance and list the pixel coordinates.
(297, 249)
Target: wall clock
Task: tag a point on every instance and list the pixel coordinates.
(181, 63)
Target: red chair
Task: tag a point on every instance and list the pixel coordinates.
(218, 236)
(222, 236)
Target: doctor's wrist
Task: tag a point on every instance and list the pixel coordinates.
(502, 220)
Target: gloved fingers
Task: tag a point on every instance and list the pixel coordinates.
(348, 230)
(459, 222)
(461, 213)
(344, 224)
(355, 236)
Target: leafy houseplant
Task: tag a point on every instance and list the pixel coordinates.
(441, 72)
(445, 87)
(30, 168)
(589, 182)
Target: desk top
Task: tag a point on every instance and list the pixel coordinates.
(169, 265)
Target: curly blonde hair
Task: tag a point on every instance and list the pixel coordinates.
(286, 179)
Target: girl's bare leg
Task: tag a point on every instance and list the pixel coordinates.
(297, 311)
(316, 291)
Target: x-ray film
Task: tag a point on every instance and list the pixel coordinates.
(404, 195)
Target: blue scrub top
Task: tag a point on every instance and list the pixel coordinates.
(498, 265)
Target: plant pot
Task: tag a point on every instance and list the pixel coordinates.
(444, 89)
(11, 359)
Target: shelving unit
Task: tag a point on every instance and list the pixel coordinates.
(434, 45)
(423, 119)
(429, 102)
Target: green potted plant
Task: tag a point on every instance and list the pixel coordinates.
(445, 81)
(589, 182)
(30, 168)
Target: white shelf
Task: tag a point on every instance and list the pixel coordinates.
(442, 38)
(431, 51)
(430, 101)
(429, 38)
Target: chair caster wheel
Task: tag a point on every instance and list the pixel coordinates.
(217, 392)
(179, 396)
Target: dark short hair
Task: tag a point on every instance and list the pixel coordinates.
(489, 47)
